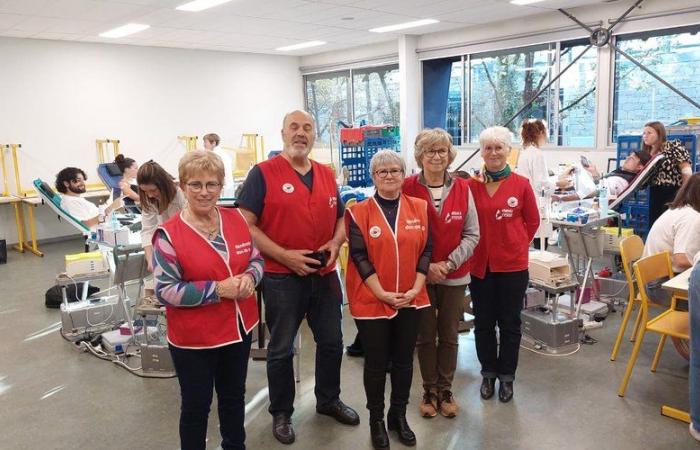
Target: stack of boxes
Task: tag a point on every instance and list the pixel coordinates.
(358, 145)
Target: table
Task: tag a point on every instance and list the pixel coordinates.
(679, 286)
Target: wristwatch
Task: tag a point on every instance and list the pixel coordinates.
(450, 266)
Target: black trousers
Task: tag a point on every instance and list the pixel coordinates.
(659, 197)
(497, 300)
(387, 340)
(288, 300)
(199, 372)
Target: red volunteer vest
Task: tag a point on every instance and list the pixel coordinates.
(394, 256)
(215, 324)
(293, 217)
(507, 223)
(446, 226)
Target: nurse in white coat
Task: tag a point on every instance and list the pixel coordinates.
(211, 142)
(532, 165)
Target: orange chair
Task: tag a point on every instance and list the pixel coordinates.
(671, 322)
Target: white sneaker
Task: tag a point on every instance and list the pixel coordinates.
(693, 432)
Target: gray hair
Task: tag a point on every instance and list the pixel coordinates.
(429, 137)
(385, 157)
(496, 134)
(200, 161)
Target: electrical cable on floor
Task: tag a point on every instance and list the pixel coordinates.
(578, 347)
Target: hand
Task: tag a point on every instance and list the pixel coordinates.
(297, 261)
(229, 288)
(437, 272)
(391, 298)
(246, 286)
(406, 298)
(332, 247)
(123, 185)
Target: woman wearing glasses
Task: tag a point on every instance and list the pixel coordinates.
(454, 229)
(508, 219)
(389, 260)
(206, 270)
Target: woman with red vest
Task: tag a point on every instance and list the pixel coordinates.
(385, 282)
(508, 219)
(454, 229)
(206, 269)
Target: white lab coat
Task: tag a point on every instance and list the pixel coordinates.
(229, 189)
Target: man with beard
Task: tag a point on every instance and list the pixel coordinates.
(295, 216)
(71, 183)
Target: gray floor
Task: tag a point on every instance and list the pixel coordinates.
(52, 396)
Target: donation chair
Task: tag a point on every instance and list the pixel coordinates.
(111, 175)
(51, 198)
(638, 181)
(671, 322)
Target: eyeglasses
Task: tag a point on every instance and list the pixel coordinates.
(441, 153)
(384, 172)
(211, 186)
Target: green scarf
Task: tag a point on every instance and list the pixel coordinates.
(492, 177)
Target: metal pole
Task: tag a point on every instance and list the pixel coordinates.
(534, 97)
(655, 76)
(468, 159)
(623, 16)
(581, 24)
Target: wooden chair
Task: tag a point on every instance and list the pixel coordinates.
(631, 249)
(669, 323)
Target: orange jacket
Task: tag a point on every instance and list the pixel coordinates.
(394, 255)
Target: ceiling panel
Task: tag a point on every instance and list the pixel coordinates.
(257, 26)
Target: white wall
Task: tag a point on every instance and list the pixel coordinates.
(58, 97)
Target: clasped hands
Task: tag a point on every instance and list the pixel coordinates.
(236, 287)
(437, 272)
(299, 263)
(398, 300)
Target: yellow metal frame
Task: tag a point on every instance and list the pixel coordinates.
(18, 204)
(675, 413)
(102, 146)
(253, 145)
(190, 142)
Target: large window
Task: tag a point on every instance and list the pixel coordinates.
(574, 120)
(369, 96)
(503, 82)
(639, 98)
(489, 89)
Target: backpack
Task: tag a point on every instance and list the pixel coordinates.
(54, 296)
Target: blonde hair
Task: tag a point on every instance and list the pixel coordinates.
(200, 161)
(427, 139)
(496, 134)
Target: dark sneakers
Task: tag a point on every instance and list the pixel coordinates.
(282, 428)
(488, 386)
(340, 412)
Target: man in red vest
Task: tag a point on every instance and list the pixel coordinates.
(295, 215)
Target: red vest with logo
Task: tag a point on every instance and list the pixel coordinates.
(215, 324)
(445, 226)
(394, 255)
(294, 217)
(507, 223)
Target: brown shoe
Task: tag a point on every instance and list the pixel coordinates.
(448, 404)
(429, 405)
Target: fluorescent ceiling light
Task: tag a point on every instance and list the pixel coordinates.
(524, 2)
(125, 30)
(300, 46)
(201, 5)
(403, 26)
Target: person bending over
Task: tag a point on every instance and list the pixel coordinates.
(70, 182)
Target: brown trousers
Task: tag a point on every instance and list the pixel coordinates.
(437, 335)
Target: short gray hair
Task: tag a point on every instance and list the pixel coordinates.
(306, 113)
(429, 137)
(496, 134)
(384, 157)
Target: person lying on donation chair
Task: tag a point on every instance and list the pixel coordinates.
(70, 182)
(615, 182)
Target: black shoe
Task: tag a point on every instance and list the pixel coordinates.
(377, 431)
(487, 388)
(355, 349)
(282, 428)
(340, 412)
(397, 422)
(505, 391)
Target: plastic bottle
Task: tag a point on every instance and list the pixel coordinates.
(101, 215)
(603, 200)
(114, 223)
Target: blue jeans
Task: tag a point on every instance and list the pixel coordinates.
(694, 379)
(288, 300)
(199, 373)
